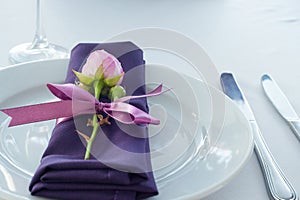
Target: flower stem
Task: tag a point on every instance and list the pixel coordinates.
(92, 138)
(98, 85)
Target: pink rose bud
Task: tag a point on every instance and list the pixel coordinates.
(101, 64)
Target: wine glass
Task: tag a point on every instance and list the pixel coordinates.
(39, 48)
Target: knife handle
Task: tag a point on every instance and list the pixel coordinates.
(295, 125)
(279, 188)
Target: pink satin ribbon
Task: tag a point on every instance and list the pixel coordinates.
(77, 101)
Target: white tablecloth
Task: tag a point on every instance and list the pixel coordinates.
(248, 38)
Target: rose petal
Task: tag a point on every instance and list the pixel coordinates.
(93, 62)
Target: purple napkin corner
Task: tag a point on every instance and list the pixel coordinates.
(120, 166)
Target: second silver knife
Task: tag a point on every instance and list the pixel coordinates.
(281, 103)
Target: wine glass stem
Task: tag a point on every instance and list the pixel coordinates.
(40, 40)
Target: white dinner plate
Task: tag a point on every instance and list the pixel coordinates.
(203, 140)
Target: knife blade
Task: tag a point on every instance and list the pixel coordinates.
(281, 103)
(279, 188)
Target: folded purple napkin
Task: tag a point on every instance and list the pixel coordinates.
(120, 165)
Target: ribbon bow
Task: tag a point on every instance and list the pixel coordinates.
(85, 103)
(77, 101)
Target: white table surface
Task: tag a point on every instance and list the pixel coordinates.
(248, 38)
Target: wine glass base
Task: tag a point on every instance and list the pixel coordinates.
(25, 53)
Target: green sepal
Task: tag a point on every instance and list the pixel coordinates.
(85, 87)
(99, 73)
(98, 85)
(86, 80)
(113, 81)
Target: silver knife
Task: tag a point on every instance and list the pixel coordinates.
(281, 103)
(279, 188)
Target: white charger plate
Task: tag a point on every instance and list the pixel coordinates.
(187, 111)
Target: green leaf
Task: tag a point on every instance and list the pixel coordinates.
(113, 81)
(99, 73)
(86, 80)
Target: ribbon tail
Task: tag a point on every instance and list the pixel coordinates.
(128, 114)
(39, 112)
(155, 92)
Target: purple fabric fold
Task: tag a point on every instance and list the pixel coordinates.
(120, 166)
